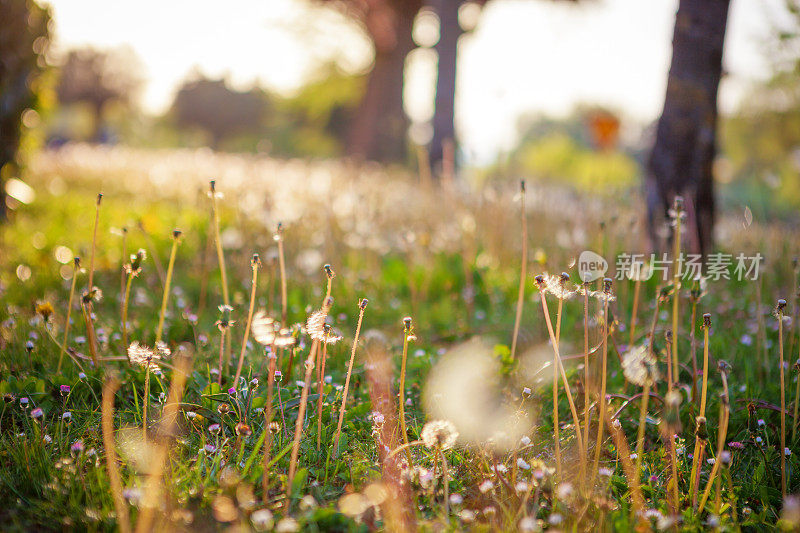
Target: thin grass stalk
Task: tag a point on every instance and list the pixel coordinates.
(780, 311)
(556, 428)
(110, 388)
(362, 305)
(123, 275)
(724, 416)
(94, 241)
(796, 399)
(693, 347)
(176, 237)
(676, 284)
(125, 300)
(267, 421)
(575, 418)
(642, 425)
(87, 318)
(699, 441)
(586, 372)
(298, 427)
(75, 269)
(282, 265)
(407, 335)
(320, 384)
(221, 353)
(218, 242)
(153, 491)
(523, 270)
(624, 454)
(673, 459)
(603, 381)
(145, 402)
(255, 264)
(636, 288)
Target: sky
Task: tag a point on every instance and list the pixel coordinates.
(524, 57)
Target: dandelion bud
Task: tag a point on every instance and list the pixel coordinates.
(99, 198)
(522, 185)
(781, 305)
(607, 285)
(407, 323)
(255, 262)
(77, 261)
(724, 367)
(678, 204)
(539, 281)
(176, 234)
(668, 336)
(526, 392)
(564, 278)
(329, 271)
(707, 320)
(213, 184)
(362, 304)
(243, 429)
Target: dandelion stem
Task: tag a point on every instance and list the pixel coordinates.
(523, 270)
(87, 318)
(320, 384)
(636, 288)
(145, 401)
(556, 427)
(256, 263)
(75, 269)
(406, 337)
(165, 299)
(642, 426)
(362, 305)
(602, 397)
(221, 353)
(298, 428)
(576, 420)
(780, 309)
(267, 422)
(676, 285)
(724, 417)
(125, 301)
(586, 387)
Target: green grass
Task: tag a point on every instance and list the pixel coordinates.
(450, 260)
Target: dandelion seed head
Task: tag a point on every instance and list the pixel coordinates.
(640, 366)
(440, 434)
(144, 356)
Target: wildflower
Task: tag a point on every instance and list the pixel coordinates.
(521, 487)
(440, 434)
(67, 415)
(232, 391)
(555, 519)
(23, 402)
(47, 439)
(223, 408)
(525, 440)
(564, 490)
(191, 415)
(640, 366)
(37, 413)
(736, 445)
(725, 457)
(65, 389)
(466, 515)
(761, 422)
(81, 375)
(45, 310)
(278, 375)
(209, 448)
(787, 452)
(77, 446)
(605, 472)
(526, 392)
(522, 464)
(456, 499)
(214, 428)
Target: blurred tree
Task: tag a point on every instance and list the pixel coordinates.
(378, 129)
(456, 17)
(220, 111)
(24, 39)
(97, 78)
(683, 155)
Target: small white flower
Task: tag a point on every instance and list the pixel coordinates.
(456, 499)
(525, 440)
(605, 472)
(787, 452)
(634, 456)
(555, 519)
(528, 525)
(564, 490)
(486, 486)
(522, 464)
(711, 460)
(521, 487)
(67, 415)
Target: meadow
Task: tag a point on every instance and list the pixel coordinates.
(321, 346)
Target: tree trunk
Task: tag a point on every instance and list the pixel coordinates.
(683, 155)
(447, 52)
(378, 131)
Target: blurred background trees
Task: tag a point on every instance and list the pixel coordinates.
(98, 79)
(24, 40)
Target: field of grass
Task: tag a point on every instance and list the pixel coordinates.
(447, 411)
